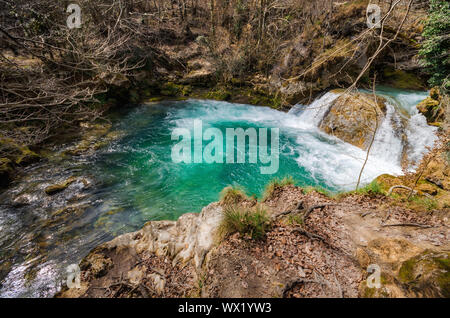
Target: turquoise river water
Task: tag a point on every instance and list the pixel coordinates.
(133, 179)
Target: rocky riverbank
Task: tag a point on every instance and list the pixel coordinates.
(318, 245)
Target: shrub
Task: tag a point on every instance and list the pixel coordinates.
(252, 222)
(435, 47)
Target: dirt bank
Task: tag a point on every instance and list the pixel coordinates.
(317, 246)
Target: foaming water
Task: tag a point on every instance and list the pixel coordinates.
(133, 179)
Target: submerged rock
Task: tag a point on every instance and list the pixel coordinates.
(53, 189)
(353, 118)
(19, 154)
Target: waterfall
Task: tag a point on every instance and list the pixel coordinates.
(398, 135)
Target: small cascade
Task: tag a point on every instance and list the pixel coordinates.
(403, 134)
(313, 114)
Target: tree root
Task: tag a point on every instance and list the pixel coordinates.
(308, 234)
(366, 213)
(296, 281)
(312, 208)
(297, 209)
(425, 226)
(399, 186)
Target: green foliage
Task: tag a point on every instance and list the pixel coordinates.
(276, 183)
(436, 46)
(295, 219)
(232, 195)
(172, 89)
(219, 93)
(372, 188)
(254, 223)
(427, 203)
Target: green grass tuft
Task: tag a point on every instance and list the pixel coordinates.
(276, 183)
(254, 223)
(232, 195)
(373, 188)
(295, 219)
(427, 203)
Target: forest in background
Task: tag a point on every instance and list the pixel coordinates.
(271, 52)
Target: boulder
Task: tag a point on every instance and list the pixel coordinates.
(186, 242)
(18, 153)
(201, 72)
(352, 118)
(426, 275)
(55, 188)
(430, 107)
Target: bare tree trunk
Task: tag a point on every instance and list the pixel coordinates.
(211, 12)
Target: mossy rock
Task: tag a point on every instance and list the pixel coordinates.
(172, 90)
(431, 109)
(95, 137)
(62, 216)
(435, 93)
(402, 80)
(56, 188)
(153, 99)
(426, 275)
(18, 153)
(219, 94)
(352, 118)
(388, 289)
(26, 157)
(386, 181)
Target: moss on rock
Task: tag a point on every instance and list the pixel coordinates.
(402, 79)
(352, 118)
(426, 275)
(53, 189)
(18, 153)
(431, 108)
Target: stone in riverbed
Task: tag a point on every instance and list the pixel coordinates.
(53, 189)
(352, 118)
(430, 107)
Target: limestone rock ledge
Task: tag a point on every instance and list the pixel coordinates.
(188, 238)
(184, 243)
